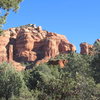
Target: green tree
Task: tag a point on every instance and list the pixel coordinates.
(96, 46)
(50, 83)
(10, 81)
(70, 83)
(78, 63)
(6, 6)
(95, 65)
(79, 68)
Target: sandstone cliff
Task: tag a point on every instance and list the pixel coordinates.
(32, 44)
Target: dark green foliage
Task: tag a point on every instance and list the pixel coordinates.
(6, 6)
(79, 68)
(50, 82)
(95, 65)
(39, 74)
(96, 47)
(2, 21)
(97, 91)
(25, 94)
(10, 81)
(70, 83)
(9, 4)
(78, 63)
(60, 56)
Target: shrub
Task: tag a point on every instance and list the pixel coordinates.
(10, 81)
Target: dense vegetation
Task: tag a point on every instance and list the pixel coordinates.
(78, 80)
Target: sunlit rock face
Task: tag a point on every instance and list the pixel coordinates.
(32, 44)
(86, 48)
(4, 41)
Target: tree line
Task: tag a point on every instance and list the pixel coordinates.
(78, 80)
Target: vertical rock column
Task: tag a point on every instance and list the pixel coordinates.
(51, 48)
(4, 40)
(84, 48)
(24, 47)
(10, 53)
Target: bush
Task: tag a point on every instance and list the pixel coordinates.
(95, 66)
(70, 83)
(10, 81)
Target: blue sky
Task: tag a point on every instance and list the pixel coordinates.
(78, 20)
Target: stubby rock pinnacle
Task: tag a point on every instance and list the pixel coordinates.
(86, 48)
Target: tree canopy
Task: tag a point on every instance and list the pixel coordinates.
(10, 4)
(10, 81)
(5, 7)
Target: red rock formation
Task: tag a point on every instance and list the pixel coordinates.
(51, 48)
(86, 48)
(62, 63)
(18, 66)
(31, 43)
(24, 46)
(10, 53)
(59, 62)
(4, 40)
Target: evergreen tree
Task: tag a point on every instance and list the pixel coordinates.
(74, 82)
(6, 6)
(95, 64)
(10, 81)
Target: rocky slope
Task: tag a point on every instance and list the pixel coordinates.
(32, 44)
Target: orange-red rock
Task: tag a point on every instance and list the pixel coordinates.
(4, 40)
(18, 66)
(86, 48)
(31, 43)
(10, 53)
(59, 62)
(62, 63)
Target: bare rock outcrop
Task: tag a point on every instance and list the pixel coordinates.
(29, 43)
(4, 40)
(60, 62)
(86, 48)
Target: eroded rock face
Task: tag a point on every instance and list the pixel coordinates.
(35, 44)
(31, 43)
(4, 41)
(86, 48)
